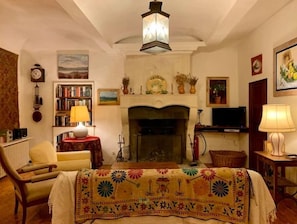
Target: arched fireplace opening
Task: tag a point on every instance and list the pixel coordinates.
(158, 134)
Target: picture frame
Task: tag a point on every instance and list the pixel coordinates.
(73, 66)
(108, 96)
(285, 69)
(217, 91)
(256, 64)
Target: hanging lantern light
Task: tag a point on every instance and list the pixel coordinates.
(155, 34)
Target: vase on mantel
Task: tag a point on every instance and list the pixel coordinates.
(125, 89)
(181, 89)
(192, 89)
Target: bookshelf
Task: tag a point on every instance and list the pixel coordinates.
(66, 95)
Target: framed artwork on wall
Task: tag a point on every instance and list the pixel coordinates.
(256, 63)
(73, 66)
(285, 69)
(217, 91)
(108, 96)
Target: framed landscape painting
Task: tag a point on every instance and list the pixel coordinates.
(73, 66)
(285, 69)
(108, 96)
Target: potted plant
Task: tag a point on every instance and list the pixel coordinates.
(216, 89)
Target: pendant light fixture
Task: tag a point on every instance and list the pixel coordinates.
(155, 34)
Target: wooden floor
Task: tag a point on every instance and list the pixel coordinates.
(287, 209)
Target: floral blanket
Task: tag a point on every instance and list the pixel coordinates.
(203, 193)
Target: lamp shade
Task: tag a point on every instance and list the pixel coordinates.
(155, 30)
(276, 118)
(79, 114)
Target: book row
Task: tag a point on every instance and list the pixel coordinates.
(74, 91)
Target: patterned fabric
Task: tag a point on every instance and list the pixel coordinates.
(203, 193)
(9, 109)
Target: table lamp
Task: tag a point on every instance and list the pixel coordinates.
(276, 118)
(79, 114)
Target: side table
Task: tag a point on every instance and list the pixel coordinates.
(91, 143)
(278, 165)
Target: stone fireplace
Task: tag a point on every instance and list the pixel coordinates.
(157, 127)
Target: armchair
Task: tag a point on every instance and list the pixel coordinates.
(31, 190)
(45, 153)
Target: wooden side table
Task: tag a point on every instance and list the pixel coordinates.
(278, 165)
(91, 143)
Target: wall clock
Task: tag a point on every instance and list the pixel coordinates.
(37, 74)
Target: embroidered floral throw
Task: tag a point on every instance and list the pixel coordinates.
(202, 193)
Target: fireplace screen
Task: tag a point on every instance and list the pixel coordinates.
(158, 134)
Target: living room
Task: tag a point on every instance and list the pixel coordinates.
(108, 65)
(231, 59)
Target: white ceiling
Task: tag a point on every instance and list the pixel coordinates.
(110, 25)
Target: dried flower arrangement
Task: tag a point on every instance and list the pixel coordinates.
(192, 80)
(180, 78)
(125, 81)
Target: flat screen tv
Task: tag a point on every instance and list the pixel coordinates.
(229, 117)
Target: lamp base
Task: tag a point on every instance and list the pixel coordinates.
(277, 141)
(80, 131)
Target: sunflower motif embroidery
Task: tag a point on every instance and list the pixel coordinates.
(118, 176)
(208, 174)
(220, 188)
(105, 189)
(190, 171)
(102, 172)
(135, 173)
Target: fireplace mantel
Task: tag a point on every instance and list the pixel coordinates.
(160, 101)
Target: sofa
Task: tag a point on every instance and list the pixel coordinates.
(45, 153)
(180, 196)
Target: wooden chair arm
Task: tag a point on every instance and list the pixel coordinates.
(26, 169)
(45, 176)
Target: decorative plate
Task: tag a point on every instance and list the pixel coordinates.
(156, 85)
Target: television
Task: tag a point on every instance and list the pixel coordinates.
(234, 117)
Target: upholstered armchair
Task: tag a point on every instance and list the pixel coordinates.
(45, 153)
(29, 189)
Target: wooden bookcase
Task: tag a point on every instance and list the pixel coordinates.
(66, 95)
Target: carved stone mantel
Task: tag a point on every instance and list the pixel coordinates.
(159, 101)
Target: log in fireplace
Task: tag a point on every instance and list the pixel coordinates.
(158, 134)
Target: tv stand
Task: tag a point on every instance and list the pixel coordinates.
(227, 129)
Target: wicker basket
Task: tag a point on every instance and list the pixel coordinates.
(226, 158)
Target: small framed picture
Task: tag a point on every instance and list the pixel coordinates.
(256, 63)
(217, 91)
(108, 96)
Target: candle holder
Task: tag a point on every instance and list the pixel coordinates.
(121, 143)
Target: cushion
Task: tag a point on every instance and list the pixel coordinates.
(74, 155)
(42, 153)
